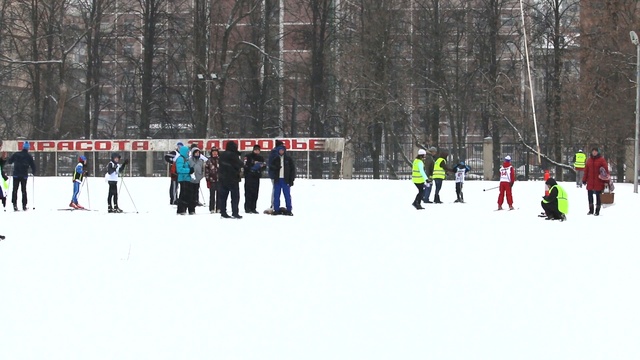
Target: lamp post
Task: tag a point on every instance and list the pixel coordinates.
(208, 79)
(636, 42)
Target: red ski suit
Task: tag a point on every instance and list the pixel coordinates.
(507, 178)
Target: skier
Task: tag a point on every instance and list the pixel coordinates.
(507, 178)
(78, 177)
(211, 176)
(171, 158)
(285, 171)
(114, 169)
(591, 178)
(229, 177)
(197, 164)
(419, 178)
(428, 169)
(253, 167)
(22, 161)
(185, 201)
(5, 184)
(556, 204)
(579, 162)
(460, 171)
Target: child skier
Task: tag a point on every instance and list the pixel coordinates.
(78, 177)
(113, 170)
(211, 176)
(507, 178)
(460, 171)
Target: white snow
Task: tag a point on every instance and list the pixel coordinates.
(357, 273)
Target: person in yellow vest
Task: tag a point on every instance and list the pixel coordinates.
(579, 162)
(419, 177)
(440, 170)
(556, 204)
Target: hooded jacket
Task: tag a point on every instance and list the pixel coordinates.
(272, 155)
(230, 165)
(289, 167)
(182, 165)
(21, 162)
(592, 171)
(197, 164)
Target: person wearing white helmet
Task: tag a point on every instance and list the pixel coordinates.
(419, 177)
(507, 178)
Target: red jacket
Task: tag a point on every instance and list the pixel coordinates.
(592, 170)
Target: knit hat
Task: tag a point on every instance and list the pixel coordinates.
(115, 155)
(422, 152)
(26, 145)
(179, 143)
(433, 150)
(82, 158)
(507, 158)
(256, 147)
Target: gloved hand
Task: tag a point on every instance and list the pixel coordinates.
(584, 183)
(208, 184)
(86, 173)
(125, 162)
(291, 185)
(5, 177)
(191, 170)
(429, 180)
(193, 176)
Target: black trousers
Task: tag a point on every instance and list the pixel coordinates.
(185, 201)
(251, 189)
(591, 193)
(418, 198)
(196, 192)
(213, 192)
(22, 182)
(225, 190)
(173, 191)
(459, 191)
(551, 209)
(113, 193)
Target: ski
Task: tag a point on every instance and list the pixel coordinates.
(72, 209)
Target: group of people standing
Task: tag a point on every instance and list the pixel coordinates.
(21, 161)
(223, 172)
(429, 170)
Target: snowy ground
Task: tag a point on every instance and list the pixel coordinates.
(357, 273)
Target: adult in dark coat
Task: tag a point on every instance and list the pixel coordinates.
(229, 178)
(428, 169)
(272, 175)
(21, 161)
(253, 167)
(591, 178)
(284, 169)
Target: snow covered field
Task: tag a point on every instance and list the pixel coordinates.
(357, 273)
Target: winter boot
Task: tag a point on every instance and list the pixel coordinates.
(590, 209)
(437, 200)
(116, 209)
(597, 211)
(15, 207)
(224, 215)
(110, 210)
(511, 207)
(499, 207)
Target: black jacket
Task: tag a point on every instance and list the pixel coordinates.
(552, 198)
(289, 168)
(253, 165)
(230, 165)
(21, 162)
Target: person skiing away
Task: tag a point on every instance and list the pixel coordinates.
(79, 174)
(171, 158)
(185, 199)
(419, 178)
(440, 170)
(229, 180)
(461, 171)
(21, 161)
(556, 203)
(211, 176)
(5, 178)
(579, 162)
(428, 169)
(253, 167)
(285, 170)
(507, 178)
(114, 169)
(272, 155)
(196, 162)
(591, 178)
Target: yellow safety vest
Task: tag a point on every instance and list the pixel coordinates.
(563, 200)
(581, 161)
(416, 177)
(438, 170)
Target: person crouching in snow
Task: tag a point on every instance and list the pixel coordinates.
(419, 178)
(460, 171)
(78, 177)
(285, 173)
(114, 169)
(556, 204)
(507, 178)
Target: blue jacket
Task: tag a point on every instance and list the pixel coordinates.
(21, 162)
(182, 165)
(272, 155)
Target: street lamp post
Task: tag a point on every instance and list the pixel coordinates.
(636, 42)
(208, 79)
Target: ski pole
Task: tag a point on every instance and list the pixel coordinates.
(88, 195)
(493, 188)
(33, 190)
(203, 198)
(128, 193)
